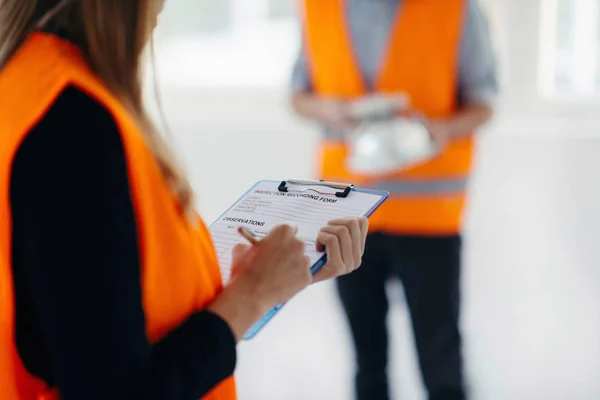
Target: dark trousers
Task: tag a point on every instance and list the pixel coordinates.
(429, 268)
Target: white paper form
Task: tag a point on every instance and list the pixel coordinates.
(264, 207)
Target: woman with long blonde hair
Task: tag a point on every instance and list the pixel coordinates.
(109, 283)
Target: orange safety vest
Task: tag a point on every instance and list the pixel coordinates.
(421, 60)
(180, 272)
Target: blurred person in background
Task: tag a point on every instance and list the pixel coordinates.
(109, 282)
(439, 54)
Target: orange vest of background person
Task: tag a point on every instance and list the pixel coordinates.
(180, 272)
(421, 60)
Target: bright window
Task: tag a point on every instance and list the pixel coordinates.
(250, 43)
(570, 49)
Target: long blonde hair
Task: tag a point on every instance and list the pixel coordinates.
(112, 35)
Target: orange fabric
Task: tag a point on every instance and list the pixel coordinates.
(421, 61)
(180, 273)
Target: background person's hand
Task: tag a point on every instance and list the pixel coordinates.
(440, 133)
(380, 105)
(336, 114)
(344, 242)
(398, 101)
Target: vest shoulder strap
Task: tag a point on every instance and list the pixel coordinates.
(36, 75)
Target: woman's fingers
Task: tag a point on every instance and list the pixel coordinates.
(344, 242)
(363, 224)
(344, 239)
(355, 246)
(332, 246)
(239, 250)
(358, 228)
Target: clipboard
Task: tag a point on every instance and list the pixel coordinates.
(336, 190)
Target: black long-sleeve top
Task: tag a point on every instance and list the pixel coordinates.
(79, 319)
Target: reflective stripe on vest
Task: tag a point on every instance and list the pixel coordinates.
(421, 61)
(407, 188)
(178, 259)
(421, 188)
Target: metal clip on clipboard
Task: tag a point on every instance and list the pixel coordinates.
(346, 188)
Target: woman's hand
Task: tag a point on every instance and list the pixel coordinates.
(344, 242)
(265, 274)
(276, 267)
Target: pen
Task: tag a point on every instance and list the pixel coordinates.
(251, 237)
